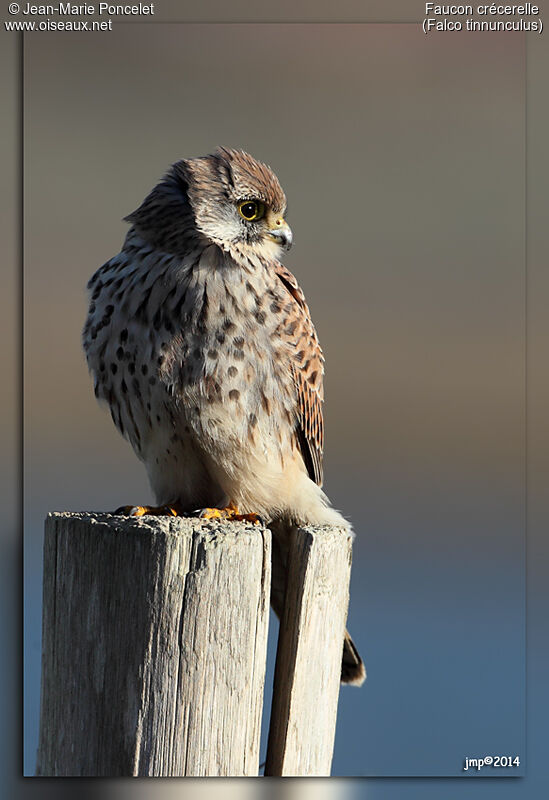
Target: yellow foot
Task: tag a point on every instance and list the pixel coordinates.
(140, 511)
(231, 512)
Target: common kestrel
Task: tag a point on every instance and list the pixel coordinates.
(202, 345)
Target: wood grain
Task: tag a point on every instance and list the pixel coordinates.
(154, 646)
(308, 663)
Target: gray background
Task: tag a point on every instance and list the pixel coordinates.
(403, 160)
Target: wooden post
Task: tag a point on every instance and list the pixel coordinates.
(154, 646)
(308, 662)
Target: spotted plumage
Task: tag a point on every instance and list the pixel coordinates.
(201, 344)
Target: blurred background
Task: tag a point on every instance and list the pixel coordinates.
(402, 157)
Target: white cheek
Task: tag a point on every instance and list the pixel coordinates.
(220, 227)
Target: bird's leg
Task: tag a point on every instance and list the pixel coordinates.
(157, 511)
(231, 512)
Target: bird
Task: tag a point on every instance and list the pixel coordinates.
(200, 342)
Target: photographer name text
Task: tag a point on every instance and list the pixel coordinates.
(101, 9)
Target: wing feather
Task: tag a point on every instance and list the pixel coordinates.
(307, 373)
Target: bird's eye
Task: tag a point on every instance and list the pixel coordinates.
(251, 209)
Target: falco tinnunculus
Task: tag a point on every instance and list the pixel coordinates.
(202, 345)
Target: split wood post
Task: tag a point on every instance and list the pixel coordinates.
(154, 646)
(308, 662)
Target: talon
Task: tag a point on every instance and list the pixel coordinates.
(131, 511)
(140, 511)
(255, 519)
(212, 513)
(231, 513)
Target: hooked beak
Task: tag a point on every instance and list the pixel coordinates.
(282, 234)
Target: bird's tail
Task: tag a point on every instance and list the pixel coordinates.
(352, 666)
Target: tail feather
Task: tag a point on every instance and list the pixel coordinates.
(352, 666)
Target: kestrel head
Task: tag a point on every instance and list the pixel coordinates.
(238, 201)
(228, 197)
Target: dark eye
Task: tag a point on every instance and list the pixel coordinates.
(251, 209)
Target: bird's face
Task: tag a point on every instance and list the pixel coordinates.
(238, 203)
(260, 226)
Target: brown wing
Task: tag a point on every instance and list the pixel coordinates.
(307, 373)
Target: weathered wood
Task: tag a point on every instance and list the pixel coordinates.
(154, 646)
(308, 662)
